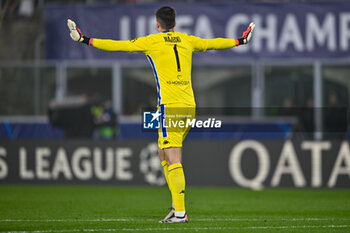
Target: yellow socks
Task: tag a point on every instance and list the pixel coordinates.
(176, 182)
(165, 168)
(175, 178)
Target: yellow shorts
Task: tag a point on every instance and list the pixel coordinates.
(174, 124)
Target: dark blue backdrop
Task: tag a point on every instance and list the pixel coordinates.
(312, 30)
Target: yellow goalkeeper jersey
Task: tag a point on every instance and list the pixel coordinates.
(170, 55)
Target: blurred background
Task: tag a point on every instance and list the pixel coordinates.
(291, 83)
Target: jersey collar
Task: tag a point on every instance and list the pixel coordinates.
(166, 31)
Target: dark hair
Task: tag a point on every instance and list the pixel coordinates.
(166, 17)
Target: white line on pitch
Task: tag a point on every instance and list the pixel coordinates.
(194, 219)
(67, 220)
(184, 228)
(269, 219)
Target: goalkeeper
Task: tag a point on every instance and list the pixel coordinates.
(170, 55)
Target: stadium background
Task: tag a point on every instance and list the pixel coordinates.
(71, 115)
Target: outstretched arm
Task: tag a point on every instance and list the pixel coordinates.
(137, 45)
(202, 45)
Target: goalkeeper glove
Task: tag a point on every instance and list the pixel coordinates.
(76, 34)
(247, 35)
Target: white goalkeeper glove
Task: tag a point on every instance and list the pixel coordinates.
(76, 34)
(247, 35)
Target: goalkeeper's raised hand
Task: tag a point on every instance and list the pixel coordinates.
(247, 35)
(76, 34)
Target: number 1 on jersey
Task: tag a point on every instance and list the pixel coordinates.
(177, 59)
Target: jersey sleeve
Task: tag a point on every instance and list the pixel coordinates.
(202, 45)
(141, 44)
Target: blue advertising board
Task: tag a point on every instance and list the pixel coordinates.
(297, 30)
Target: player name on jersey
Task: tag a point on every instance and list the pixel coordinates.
(172, 39)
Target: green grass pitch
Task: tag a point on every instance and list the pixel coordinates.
(46, 209)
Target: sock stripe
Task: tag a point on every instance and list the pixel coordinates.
(174, 169)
